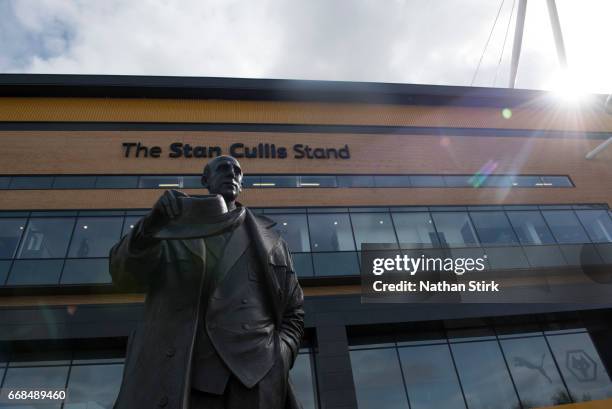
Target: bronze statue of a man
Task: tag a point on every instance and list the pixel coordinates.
(224, 310)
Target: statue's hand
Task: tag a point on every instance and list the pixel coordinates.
(165, 209)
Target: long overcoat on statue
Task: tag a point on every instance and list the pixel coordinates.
(160, 350)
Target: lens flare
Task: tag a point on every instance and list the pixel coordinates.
(479, 177)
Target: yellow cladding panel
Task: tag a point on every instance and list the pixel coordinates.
(273, 112)
(594, 404)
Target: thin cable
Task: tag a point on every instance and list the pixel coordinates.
(501, 56)
(487, 43)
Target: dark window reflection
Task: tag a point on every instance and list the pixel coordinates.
(32, 272)
(86, 271)
(373, 228)
(597, 224)
(46, 238)
(94, 236)
(301, 377)
(335, 264)
(302, 262)
(392, 181)
(565, 226)
(294, 229)
(74, 182)
(483, 374)
(5, 265)
(378, 379)
(116, 182)
(160, 182)
(31, 182)
(455, 229)
(93, 386)
(37, 378)
(355, 181)
(430, 377)
(530, 227)
(10, 233)
(581, 367)
(128, 225)
(415, 230)
(427, 181)
(493, 228)
(330, 232)
(534, 372)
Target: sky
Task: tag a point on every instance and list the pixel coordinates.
(403, 41)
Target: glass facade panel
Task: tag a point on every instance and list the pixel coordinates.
(544, 256)
(318, 181)
(37, 378)
(597, 224)
(534, 372)
(565, 226)
(31, 182)
(392, 181)
(530, 227)
(46, 238)
(5, 182)
(160, 182)
(427, 181)
(454, 229)
(526, 181)
(86, 271)
(116, 182)
(503, 258)
(279, 181)
(430, 377)
(5, 266)
(294, 229)
(493, 228)
(94, 236)
(581, 367)
(459, 181)
(330, 232)
(484, 376)
(355, 181)
(10, 233)
(74, 182)
(378, 379)
(34, 272)
(556, 181)
(415, 230)
(302, 379)
(93, 386)
(373, 228)
(128, 225)
(302, 262)
(335, 264)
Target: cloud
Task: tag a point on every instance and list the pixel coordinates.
(412, 41)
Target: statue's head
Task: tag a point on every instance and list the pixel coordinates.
(223, 176)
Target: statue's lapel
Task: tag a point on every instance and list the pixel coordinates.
(235, 247)
(197, 247)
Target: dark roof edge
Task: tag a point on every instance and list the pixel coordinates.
(128, 86)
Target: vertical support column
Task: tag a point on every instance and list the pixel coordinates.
(518, 41)
(334, 374)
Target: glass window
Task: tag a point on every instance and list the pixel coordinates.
(37, 378)
(46, 238)
(10, 233)
(526, 181)
(497, 181)
(455, 229)
(415, 230)
(318, 181)
(502, 258)
(160, 182)
(597, 224)
(392, 181)
(460, 181)
(94, 236)
(192, 182)
(426, 181)
(355, 181)
(279, 181)
(116, 182)
(31, 182)
(530, 227)
(493, 228)
(430, 377)
(335, 264)
(93, 386)
(373, 228)
(86, 271)
(5, 265)
(378, 379)
(301, 378)
(74, 182)
(484, 376)
(294, 229)
(302, 262)
(581, 367)
(565, 226)
(4, 182)
(557, 181)
(250, 181)
(534, 372)
(128, 225)
(544, 256)
(330, 232)
(33, 272)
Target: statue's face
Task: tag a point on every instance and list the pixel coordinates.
(225, 178)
